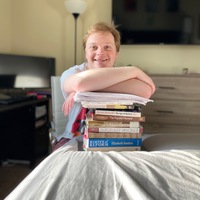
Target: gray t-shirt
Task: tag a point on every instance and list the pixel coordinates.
(76, 107)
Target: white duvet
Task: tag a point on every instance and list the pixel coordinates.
(77, 175)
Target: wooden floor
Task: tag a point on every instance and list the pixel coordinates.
(11, 174)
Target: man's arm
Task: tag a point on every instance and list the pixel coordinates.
(119, 79)
(131, 86)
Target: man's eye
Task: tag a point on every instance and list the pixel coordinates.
(108, 48)
(93, 47)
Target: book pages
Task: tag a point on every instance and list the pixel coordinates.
(121, 98)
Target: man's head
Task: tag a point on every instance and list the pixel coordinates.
(103, 27)
(101, 44)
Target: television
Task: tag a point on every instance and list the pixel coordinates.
(26, 72)
(157, 21)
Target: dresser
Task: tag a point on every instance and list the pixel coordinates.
(176, 106)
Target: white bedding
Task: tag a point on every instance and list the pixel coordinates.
(77, 175)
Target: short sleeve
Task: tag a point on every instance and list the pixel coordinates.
(68, 72)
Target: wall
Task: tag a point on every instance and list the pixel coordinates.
(43, 27)
(161, 58)
(5, 26)
(38, 29)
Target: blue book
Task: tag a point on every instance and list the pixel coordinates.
(111, 142)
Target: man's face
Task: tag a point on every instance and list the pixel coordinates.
(100, 50)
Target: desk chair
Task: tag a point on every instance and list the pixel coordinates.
(59, 121)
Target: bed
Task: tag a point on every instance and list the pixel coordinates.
(168, 168)
(140, 175)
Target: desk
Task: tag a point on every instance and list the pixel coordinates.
(24, 130)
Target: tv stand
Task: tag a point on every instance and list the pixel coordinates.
(24, 130)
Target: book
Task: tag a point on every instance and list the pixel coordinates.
(115, 124)
(114, 130)
(111, 135)
(107, 103)
(129, 113)
(110, 105)
(118, 118)
(111, 142)
(106, 149)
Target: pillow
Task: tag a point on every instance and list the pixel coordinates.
(165, 142)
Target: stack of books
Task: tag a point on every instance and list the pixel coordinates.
(113, 122)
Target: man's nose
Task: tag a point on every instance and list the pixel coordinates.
(100, 51)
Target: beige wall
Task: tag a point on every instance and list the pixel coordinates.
(5, 25)
(38, 29)
(161, 58)
(43, 27)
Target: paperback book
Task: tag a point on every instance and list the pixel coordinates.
(111, 135)
(117, 118)
(106, 149)
(114, 124)
(114, 130)
(128, 113)
(111, 105)
(111, 142)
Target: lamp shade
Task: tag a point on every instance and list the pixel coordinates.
(75, 6)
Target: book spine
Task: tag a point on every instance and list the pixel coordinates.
(118, 118)
(104, 149)
(109, 106)
(112, 135)
(95, 123)
(112, 142)
(113, 130)
(117, 113)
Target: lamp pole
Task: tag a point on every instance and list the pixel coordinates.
(75, 7)
(75, 35)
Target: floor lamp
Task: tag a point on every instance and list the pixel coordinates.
(75, 7)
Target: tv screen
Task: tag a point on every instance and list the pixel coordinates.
(157, 21)
(20, 71)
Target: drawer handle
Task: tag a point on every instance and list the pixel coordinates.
(165, 111)
(167, 88)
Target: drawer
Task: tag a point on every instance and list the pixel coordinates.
(177, 87)
(172, 112)
(154, 128)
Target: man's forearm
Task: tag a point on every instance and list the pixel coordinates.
(131, 86)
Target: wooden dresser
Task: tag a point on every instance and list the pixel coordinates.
(176, 106)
